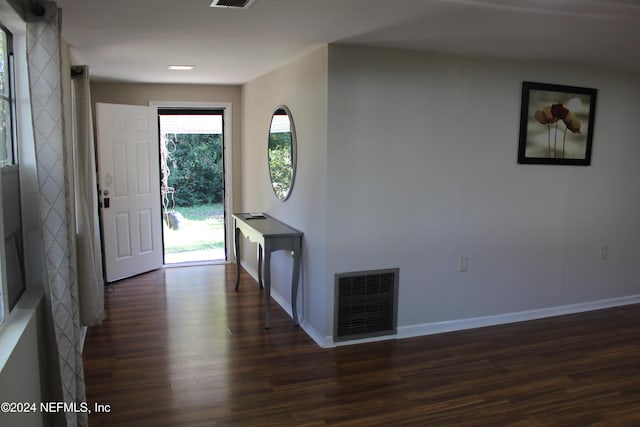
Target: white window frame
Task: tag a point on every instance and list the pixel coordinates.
(13, 23)
(4, 288)
(4, 298)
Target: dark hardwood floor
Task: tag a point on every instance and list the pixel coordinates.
(181, 348)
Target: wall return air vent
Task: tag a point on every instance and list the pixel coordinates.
(366, 304)
(232, 4)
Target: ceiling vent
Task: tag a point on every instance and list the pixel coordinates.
(232, 4)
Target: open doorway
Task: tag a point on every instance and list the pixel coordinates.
(193, 184)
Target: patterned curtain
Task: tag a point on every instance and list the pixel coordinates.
(90, 277)
(61, 292)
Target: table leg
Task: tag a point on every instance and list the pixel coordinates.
(237, 248)
(267, 284)
(260, 281)
(295, 278)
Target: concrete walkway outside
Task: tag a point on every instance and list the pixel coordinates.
(195, 256)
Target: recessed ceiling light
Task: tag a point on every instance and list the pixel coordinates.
(181, 67)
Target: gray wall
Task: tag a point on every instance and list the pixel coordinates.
(422, 171)
(302, 86)
(409, 161)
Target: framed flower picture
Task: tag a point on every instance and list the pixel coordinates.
(556, 124)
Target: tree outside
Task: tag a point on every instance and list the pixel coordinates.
(280, 162)
(194, 211)
(196, 169)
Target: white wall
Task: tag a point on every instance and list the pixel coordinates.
(20, 376)
(302, 86)
(422, 170)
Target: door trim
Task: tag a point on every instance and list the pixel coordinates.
(228, 159)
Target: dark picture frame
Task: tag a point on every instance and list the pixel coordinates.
(556, 124)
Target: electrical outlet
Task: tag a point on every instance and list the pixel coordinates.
(604, 252)
(464, 263)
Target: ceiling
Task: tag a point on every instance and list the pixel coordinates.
(136, 40)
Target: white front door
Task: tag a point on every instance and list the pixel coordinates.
(129, 179)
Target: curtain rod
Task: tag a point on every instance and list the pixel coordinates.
(36, 8)
(77, 71)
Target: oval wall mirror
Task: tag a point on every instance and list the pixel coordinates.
(282, 152)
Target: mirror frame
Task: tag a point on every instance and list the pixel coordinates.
(294, 151)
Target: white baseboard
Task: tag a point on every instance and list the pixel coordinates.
(282, 302)
(314, 335)
(252, 272)
(500, 319)
(423, 329)
(309, 330)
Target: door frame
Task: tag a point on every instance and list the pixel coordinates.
(228, 159)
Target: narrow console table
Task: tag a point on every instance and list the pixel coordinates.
(270, 235)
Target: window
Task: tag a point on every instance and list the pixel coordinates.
(12, 283)
(6, 114)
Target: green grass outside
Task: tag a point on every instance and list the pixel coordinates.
(202, 229)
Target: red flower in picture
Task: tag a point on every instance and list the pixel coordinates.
(559, 111)
(552, 114)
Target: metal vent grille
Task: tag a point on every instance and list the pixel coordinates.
(236, 4)
(366, 304)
